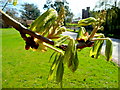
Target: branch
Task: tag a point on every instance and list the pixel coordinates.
(94, 31)
(23, 31)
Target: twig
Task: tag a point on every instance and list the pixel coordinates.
(93, 32)
(5, 5)
(59, 51)
(23, 30)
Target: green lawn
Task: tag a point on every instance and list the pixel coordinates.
(28, 69)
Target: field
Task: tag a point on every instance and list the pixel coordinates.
(28, 69)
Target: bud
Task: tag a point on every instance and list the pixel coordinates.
(27, 46)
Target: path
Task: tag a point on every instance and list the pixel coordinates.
(116, 46)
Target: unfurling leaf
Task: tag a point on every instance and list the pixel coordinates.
(61, 40)
(87, 21)
(51, 56)
(96, 49)
(82, 34)
(60, 70)
(39, 24)
(108, 49)
(70, 56)
(60, 30)
(53, 66)
(68, 51)
(73, 61)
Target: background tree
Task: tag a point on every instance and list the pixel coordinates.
(29, 12)
(56, 5)
(112, 24)
(10, 10)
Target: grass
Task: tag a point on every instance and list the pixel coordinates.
(28, 69)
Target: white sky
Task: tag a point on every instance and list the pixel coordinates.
(76, 6)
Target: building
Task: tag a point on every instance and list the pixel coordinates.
(86, 13)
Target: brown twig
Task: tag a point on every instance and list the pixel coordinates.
(23, 31)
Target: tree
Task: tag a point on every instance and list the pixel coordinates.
(45, 33)
(29, 12)
(112, 24)
(11, 11)
(57, 4)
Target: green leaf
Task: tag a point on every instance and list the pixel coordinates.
(73, 61)
(61, 40)
(81, 32)
(68, 51)
(96, 49)
(60, 70)
(108, 49)
(74, 58)
(47, 26)
(70, 56)
(87, 21)
(40, 24)
(60, 30)
(51, 56)
(53, 66)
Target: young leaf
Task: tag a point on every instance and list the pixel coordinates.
(73, 61)
(81, 32)
(53, 66)
(48, 26)
(72, 54)
(61, 40)
(68, 51)
(96, 49)
(39, 24)
(51, 56)
(108, 49)
(87, 21)
(60, 30)
(60, 70)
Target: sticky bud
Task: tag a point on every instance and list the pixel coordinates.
(27, 46)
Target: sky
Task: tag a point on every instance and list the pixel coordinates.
(76, 6)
